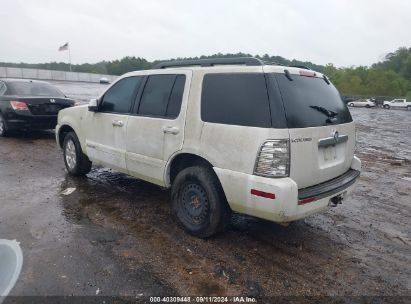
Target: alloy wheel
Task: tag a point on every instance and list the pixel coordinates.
(71, 157)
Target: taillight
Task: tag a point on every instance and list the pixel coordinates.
(273, 159)
(19, 105)
(76, 103)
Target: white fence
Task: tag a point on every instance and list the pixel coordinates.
(7, 72)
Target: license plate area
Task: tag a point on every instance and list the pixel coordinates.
(45, 109)
(49, 108)
(330, 153)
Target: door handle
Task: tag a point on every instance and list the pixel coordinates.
(117, 123)
(171, 130)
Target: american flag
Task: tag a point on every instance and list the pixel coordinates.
(64, 47)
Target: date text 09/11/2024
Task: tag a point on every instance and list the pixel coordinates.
(203, 299)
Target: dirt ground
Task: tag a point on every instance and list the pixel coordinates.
(115, 235)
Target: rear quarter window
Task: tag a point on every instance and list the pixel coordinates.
(236, 99)
(308, 102)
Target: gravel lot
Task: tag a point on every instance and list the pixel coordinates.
(115, 235)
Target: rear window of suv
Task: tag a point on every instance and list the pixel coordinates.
(271, 101)
(310, 101)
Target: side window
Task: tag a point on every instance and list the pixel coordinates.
(236, 99)
(174, 104)
(2, 88)
(118, 98)
(162, 96)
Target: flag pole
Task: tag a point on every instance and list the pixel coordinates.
(69, 55)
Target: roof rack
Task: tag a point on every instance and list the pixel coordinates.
(300, 66)
(250, 61)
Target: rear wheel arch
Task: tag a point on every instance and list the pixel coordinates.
(182, 161)
(185, 160)
(192, 175)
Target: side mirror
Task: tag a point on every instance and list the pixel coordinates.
(93, 105)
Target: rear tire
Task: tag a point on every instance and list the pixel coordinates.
(409, 108)
(4, 132)
(199, 203)
(387, 107)
(77, 163)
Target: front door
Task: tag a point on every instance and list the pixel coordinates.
(106, 128)
(155, 131)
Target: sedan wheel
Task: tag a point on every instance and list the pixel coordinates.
(351, 104)
(3, 127)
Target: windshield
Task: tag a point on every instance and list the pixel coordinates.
(310, 102)
(34, 89)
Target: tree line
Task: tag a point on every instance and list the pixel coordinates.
(390, 77)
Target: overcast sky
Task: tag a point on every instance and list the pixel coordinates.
(343, 32)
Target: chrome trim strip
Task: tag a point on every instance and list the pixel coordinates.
(329, 141)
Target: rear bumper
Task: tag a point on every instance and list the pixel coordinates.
(32, 122)
(288, 204)
(329, 188)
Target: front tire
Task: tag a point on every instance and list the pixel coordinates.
(351, 104)
(387, 107)
(77, 163)
(409, 108)
(3, 127)
(199, 203)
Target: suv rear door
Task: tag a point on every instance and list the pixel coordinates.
(155, 131)
(322, 134)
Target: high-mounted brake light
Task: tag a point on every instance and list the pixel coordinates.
(19, 105)
(307, 73)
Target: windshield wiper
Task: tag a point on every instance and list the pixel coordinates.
(330, 114)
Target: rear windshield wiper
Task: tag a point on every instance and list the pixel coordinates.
(330, 114)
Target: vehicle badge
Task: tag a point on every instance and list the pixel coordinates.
(52, 100)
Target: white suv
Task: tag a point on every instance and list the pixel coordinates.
(225, 135)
